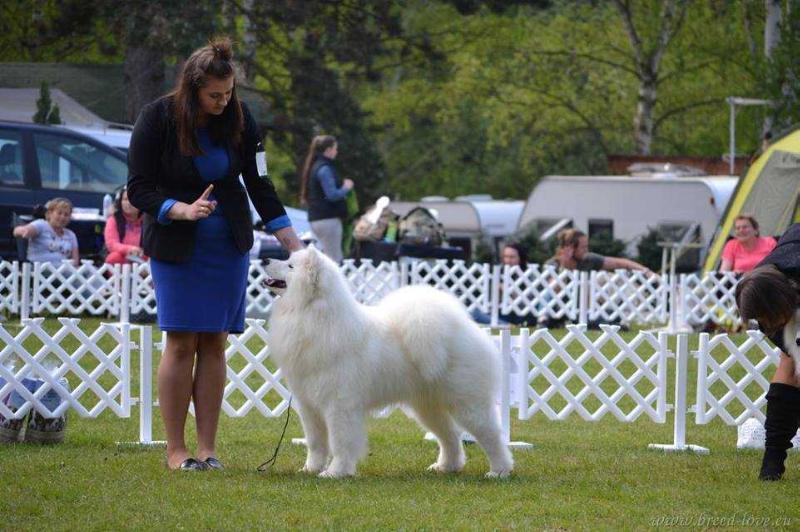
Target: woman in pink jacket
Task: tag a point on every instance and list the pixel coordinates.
(123, 233)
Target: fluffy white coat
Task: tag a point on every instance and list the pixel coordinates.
(341, 359)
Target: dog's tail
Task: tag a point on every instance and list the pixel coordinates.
(790, 331)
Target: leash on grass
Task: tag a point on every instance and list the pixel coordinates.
(269, 463)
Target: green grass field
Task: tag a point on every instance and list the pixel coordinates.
(580, 475)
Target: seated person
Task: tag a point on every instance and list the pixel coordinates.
(50, 240)
(515, 254)
(123, 232)
(573, 254)
(747, 248)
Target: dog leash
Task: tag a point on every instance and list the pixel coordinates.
(269, 463)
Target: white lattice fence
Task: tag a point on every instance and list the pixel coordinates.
(732, 380)
(606, 375)
(710, 297)
(66, 289)
(254, 382)
(628, 296)
(469, 283)
(10, 273)
(143, 292)
(259, 297)
(89, 370)
(542, 290)
(370, 282)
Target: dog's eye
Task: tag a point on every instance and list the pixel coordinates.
(290, 266)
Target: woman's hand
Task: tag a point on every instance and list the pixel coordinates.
(25, 231)
(136, 251)
(201, 208)
(348, 184)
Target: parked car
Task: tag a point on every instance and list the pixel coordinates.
(116, 136)
(38, 163)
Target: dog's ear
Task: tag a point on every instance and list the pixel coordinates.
(312, 266)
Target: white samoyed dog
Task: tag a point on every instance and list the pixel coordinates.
(418, 348)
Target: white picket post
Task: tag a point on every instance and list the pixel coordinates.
(584, 297)
(495, 299)
(125, 301)
(505, 395)
(663, 342)
(522, 374)
(679, 411)
(25, 300)
(125, 366)
(146, 388)
(700, 399)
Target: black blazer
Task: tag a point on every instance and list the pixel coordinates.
(158, 171)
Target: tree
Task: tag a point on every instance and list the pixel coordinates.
(647, 60)
(150, 33)
(781, 71)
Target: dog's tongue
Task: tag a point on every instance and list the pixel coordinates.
(276, 283)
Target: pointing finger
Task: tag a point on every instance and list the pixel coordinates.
(207, 192)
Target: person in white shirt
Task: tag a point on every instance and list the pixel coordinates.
(50, 240)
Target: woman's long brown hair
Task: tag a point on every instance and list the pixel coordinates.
(317, 147)
(567, 238)
(213, 60)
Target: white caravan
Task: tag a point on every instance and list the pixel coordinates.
(627, 206)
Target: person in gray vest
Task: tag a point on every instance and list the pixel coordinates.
(770, 295)
(323, 191)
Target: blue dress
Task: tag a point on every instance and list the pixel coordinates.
(207, 293)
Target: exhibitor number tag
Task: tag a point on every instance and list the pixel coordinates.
(261, 162)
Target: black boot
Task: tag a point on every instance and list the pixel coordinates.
(783, 417)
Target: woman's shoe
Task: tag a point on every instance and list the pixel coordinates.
(213, 463)
(190, 464)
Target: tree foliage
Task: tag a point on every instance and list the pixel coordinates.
(460, 96)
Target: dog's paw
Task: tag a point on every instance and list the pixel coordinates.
(444, 468)
(309, 469)
(333, 473)
(503, 473)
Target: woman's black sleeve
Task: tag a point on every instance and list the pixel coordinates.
(260, 188)
(144, 157)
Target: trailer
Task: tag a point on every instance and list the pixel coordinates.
(626, 207)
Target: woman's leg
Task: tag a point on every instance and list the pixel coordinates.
(209, 384)
(175, 391)
(783, 418)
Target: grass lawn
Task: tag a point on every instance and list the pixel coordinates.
(580, 475)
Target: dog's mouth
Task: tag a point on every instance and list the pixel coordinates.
(275, 283)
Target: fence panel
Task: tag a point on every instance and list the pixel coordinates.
(10, 273)
(731, 379)
(370, 282)
(143, 292)
(542, 290)
(628, 381)
(710, 297)
(628, 296)
(254, 382)
(469, 283)
(88, 370)
(66, 289)
(259, 297)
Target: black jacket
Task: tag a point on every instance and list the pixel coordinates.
(785, 257)
(158, 171)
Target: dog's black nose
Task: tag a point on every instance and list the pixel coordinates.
(266, 261)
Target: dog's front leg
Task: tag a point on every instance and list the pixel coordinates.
(348, 441)
(316, 438)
